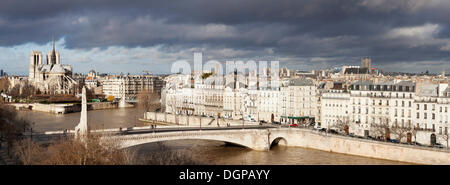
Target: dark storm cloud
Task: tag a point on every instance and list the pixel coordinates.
(338, 31)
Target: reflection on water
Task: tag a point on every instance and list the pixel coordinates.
(206, 152)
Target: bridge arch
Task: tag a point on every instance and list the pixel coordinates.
(278, 141)
(156, 141)
(253, 139)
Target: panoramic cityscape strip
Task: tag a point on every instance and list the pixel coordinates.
(350, 104)
(243, 85)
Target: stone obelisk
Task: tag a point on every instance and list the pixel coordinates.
(81, 130)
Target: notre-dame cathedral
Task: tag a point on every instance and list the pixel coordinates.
(52, 77)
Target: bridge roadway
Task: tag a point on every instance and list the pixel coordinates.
(176, 129)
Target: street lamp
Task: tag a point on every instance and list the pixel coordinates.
(31, 135)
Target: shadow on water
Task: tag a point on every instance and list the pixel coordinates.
(278, 142)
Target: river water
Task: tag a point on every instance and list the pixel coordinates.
(206, 152)
(97, 119)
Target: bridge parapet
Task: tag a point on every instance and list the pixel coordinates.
(252, 138)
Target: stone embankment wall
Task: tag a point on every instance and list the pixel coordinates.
(363, 147)
(63, 108)
(56, 108)
(102, 105)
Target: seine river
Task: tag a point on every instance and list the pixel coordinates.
(206, 152)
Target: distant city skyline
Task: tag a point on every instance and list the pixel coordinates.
(81, 60)
(115, 36)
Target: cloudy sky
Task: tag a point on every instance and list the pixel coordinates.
(131, 36)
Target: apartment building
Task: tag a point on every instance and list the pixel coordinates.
(334, 107)
(129, 86)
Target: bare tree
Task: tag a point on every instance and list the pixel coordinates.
(400, 132)
(148, 101)
(29, 152)
(11, 127)
(63, 98)
(4, 84)
(76, 89)
(75, 152)
(25, 90)
(342, 124)
(380, 129)
(171, 103)
(93, 152)
(28, 90)
(414, 134)
(96, 152)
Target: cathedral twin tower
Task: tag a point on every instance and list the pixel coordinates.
(53, 58)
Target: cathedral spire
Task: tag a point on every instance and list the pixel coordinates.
(53, 42)
(53, 54)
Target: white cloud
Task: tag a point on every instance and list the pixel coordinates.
(406, 5)
(426, 31)
(417, 36)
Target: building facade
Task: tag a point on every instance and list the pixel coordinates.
(334, 107)
(129, 86)
(293, 102)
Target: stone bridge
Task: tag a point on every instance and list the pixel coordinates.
(256, 139)
(263, 139)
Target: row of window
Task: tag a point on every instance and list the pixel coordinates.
(383, 87)
(380, 102)
(433, 107)
(334, 105)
